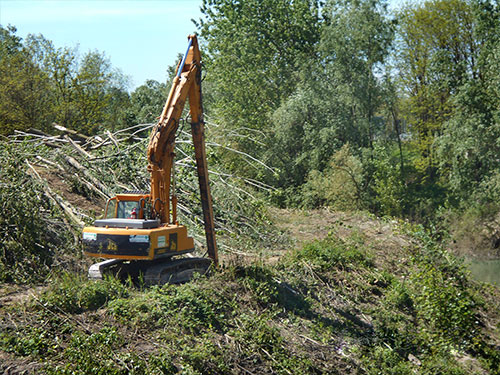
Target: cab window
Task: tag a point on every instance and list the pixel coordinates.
(110, 208)
(125, 209)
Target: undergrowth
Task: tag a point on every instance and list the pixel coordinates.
(32, 230)
(331, 307)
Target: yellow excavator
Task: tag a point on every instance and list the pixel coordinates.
(140, 233)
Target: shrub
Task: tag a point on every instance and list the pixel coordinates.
(333, 252)
(191, 307)
(31, 230)
(75, 294)
(339, 186)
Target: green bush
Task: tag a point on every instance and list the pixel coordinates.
(95, 354)
(443, 297)
(339, 186)
(29, 341)
(75, 294)
(385, 361)
(191, 307)
(333, 252)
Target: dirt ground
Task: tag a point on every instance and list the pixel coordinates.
(384, 236)
(61, 184)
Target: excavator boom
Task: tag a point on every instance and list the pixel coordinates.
(186, 85)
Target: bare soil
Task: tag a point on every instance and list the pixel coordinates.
(383, 236)
(11, 294)
(60, 183)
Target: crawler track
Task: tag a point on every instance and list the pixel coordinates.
(173, 271)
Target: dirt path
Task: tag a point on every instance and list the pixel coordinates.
(11, 294)
(304, 226)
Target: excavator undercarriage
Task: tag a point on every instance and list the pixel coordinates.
(168, 270)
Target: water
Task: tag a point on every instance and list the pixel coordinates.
(485, 270)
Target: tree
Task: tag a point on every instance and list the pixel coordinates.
(437, 53)
(354, 47)
(84, 91)
(92, 91)
(147, 102)
(24, 102)
(469, 146)
(253, 53)
(337, 102)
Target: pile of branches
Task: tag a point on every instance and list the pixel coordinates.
(111, 162)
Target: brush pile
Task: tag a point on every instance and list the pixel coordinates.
(67, 178)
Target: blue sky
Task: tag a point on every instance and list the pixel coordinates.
(141, 38)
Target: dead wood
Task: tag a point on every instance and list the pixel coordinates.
(78, 148)
(95, 184)
(72, 133)
(51, 163)
(113, 139)
(55, 198)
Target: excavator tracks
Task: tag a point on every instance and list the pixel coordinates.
(176, 271)
(170, 271)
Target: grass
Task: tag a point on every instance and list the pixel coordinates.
(333, 306)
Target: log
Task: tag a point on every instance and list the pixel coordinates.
(113, 139)
(39, 137)
(50, 163)
(97, 184)
(94, 189)
(38, 132)
(72, 133)
(78, 147)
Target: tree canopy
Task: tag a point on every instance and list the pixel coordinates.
(402, 105)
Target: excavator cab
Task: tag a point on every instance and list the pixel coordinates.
(128, 210)
(123, 205)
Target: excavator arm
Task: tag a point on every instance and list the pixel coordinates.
(161, 150)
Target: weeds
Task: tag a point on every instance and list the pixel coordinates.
(75, 294)
(331, 308)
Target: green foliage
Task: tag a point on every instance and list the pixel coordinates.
(334, 304)
(255, 334)
(254, 50)
(333, 252)
(443, 298)
(336, 101)
(24, 102)
(354, 45)
(339, 186)
(94, 354)
(204, 357)
(28, 243)
(269, 290)
(383, 360)
(437, 52)
(146, 102)
(388, 182)
(399, 296)
(41, 84)
(190, 308)
(31, 341)
(445, 307)
(75, 294)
